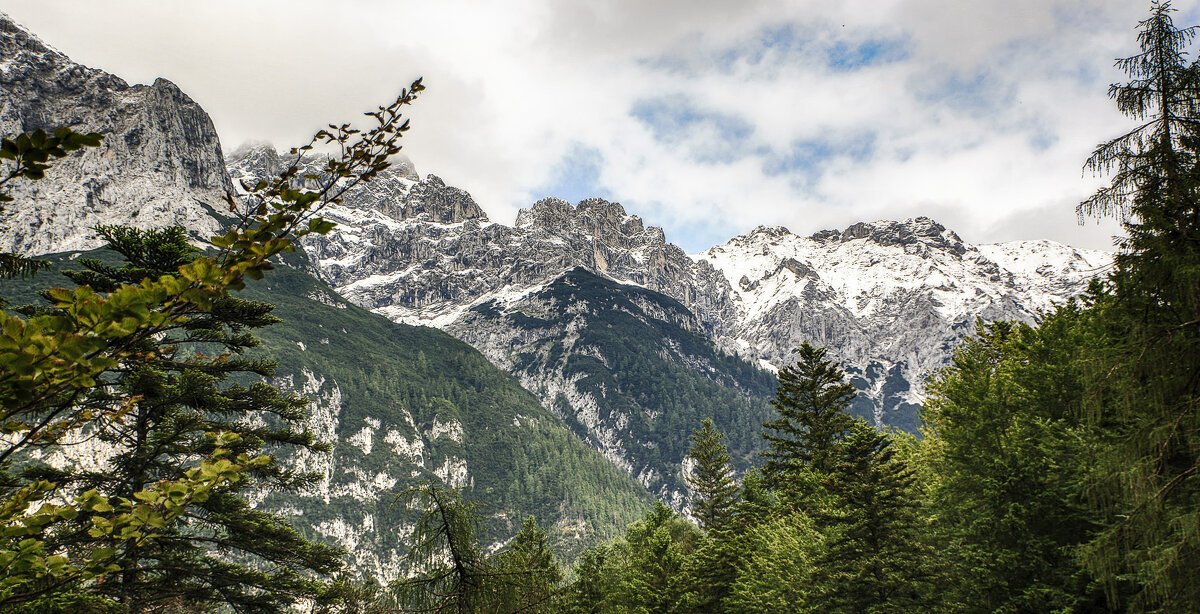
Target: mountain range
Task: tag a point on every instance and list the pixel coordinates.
(890, 299)
(553, 367)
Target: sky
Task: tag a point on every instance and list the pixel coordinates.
(705, 117)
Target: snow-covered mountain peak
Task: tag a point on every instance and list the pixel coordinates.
(1047, 270)
(908, 232)
(867, 266)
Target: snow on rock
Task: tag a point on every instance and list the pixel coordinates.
(888, 295)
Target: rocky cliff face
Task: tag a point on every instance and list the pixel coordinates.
(891, 299)
(400, 405)
(160, 162)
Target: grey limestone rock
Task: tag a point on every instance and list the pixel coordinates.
(160, 162)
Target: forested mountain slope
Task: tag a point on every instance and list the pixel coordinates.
(407, 404)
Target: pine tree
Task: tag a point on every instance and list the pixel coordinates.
(714, 491)
(1145, 387)
(812, 401)
(527, 576)
(594, 585)
(876, 561)
(776, 567)
(714, 496)
(222, 550)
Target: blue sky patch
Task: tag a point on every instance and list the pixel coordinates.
(711, 136)
(697, 235)
(807, 159)
(768, 49)
(847, 56)
(978, 93)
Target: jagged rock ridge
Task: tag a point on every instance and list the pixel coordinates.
(394, 414)
(160, 162)
(891, 299)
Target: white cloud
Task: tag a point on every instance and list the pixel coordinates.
(978, 114)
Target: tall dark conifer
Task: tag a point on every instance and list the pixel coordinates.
(714, 497)
(182, 389)
(1145, 388)
(527, 575)
(714, 491)
(812, 401)
(876, 560)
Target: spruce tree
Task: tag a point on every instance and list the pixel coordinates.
(1145, 385)
(222, 551)
(527, 576)
(714, 491)
(652, 559)
(876, 561)
(714, 496)
(812, 401)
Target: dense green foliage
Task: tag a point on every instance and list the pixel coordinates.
(257, 562)
(635, 353)
(520, 459)
(1005, 458)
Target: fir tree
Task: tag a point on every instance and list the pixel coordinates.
(594, 585)
(876, 561)
(222, 550)
(650, 563)
(1003, 457)
(811, 400)
(714, 491)
(1145, 385)
(527, 576)
(714, 495)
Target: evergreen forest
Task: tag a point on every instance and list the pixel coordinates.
(1055, 470)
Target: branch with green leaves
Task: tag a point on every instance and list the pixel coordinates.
(58, 366)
